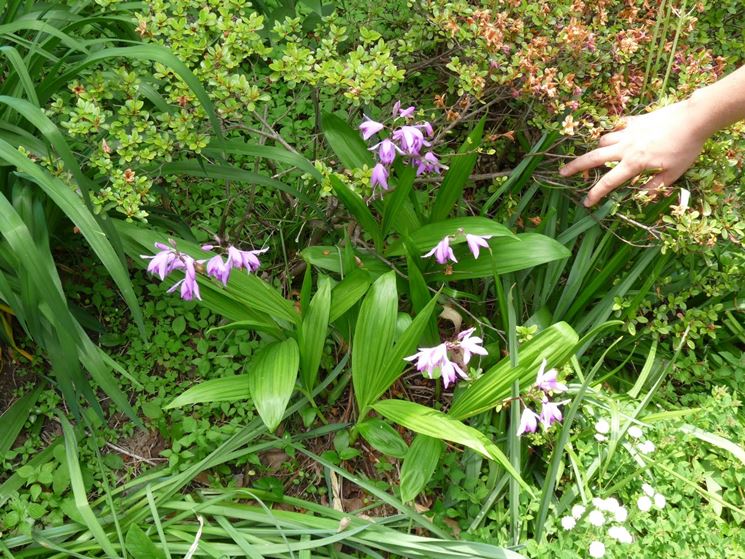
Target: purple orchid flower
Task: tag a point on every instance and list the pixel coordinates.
(429, 358)
(379, 176)
(470, 345)
(162, 263)
(546, 380)
(410, 139)
(189, 285)
(442, 252)
(407, 112)
(386, 151)
(428, 164)
(550, 412)
(528, 422)
(477, 241)
(244, 259)
(449, 369)
(218, 269)
(370, 128)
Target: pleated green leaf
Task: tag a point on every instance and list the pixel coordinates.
(461, 166)
(346, 142)
(556, 344)
(226, 389)
(272, 373)
(419, 465)
(510, 254)
(433, 423)
(373, 338)
(356, 206)
(312, 333)
(274, 153)
(347, 292)
(427, 236)
(383, 438)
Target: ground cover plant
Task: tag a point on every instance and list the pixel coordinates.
(301, 278)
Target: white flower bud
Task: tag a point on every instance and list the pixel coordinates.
(648, 490)
(596, 518)
(602, 427)
(635, 432)
(578, 511)
(621, 514)
(647, 447)
(597, 549)
(659, 501)
(567, 522)
(644, 503)
(620, 534)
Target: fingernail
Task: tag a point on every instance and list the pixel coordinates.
(586, 202)
(563, 172)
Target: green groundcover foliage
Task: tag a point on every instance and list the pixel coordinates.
(301, 278)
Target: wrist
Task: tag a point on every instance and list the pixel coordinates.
(699, 108)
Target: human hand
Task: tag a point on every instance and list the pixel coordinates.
(667, 141)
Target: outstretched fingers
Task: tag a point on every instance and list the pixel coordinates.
(610, 181)
(592, 159)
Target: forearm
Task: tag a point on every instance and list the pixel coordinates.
(718, 105)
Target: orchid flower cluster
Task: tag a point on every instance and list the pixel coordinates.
(546, 384)
(169, 259)
(406, 141)
(443, 252)
(448, 358)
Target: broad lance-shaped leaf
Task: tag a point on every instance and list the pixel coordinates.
(226, 389)
(556, 344)
(510, 255)
(383, 438)
(356, 206)
(419, 465)
(373, 338)
(347, 292)
(433, 423)
(426, 237)
(346, 142)
(272, 373)
(461, 165)
(380, 377)
(312, 334)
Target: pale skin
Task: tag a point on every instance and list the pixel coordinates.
(666, 141)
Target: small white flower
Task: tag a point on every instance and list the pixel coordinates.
(647, 447)
(644, 503)
(597, 549)
(659, 501)
(598, 503)
(621, 514)
(567, 522)
(600, 438)
(602, 427)
(685, 196)
(596, 518)
(620, 534)
(648, 490)
(612, 504)
(578, 511)
(635, 432)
